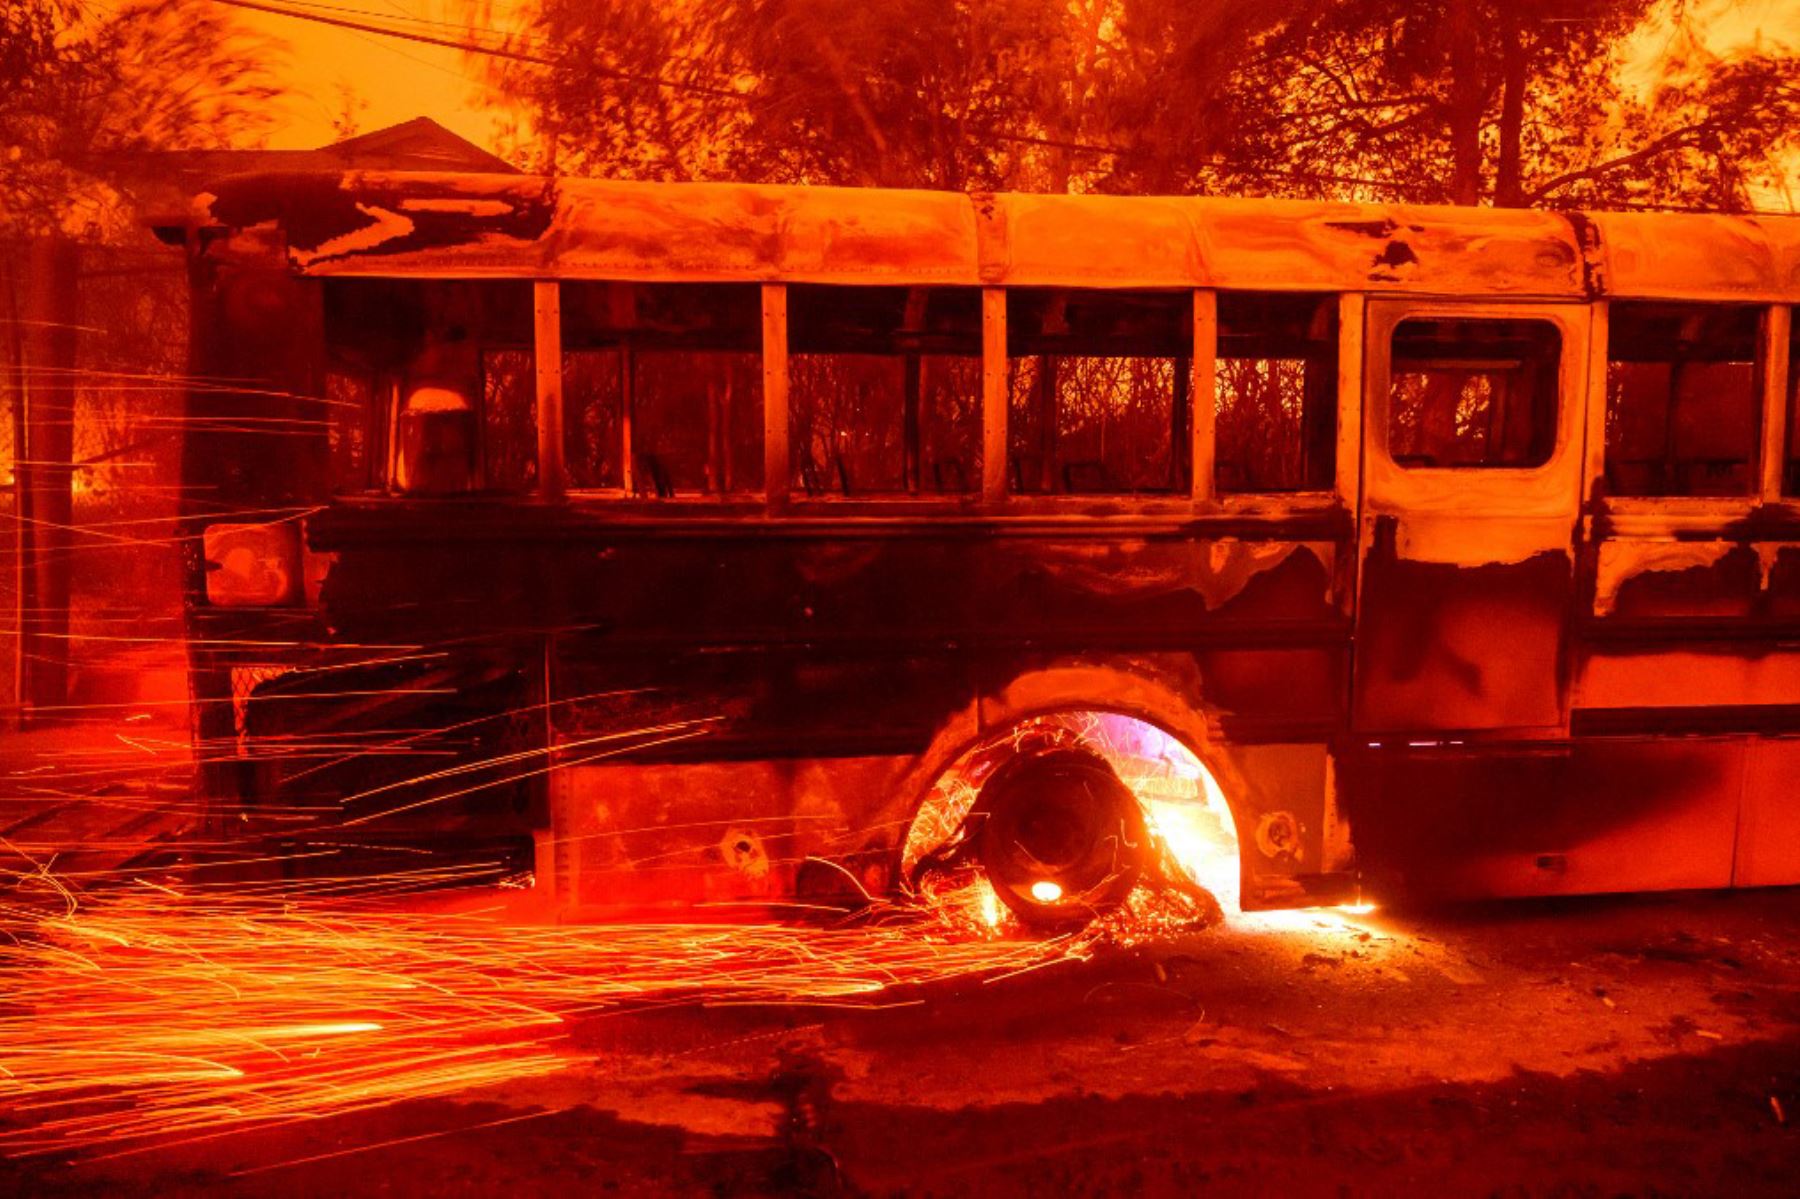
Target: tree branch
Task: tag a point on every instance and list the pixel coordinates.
(1673, 140)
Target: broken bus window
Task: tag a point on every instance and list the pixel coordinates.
(1683, 399)
(1275, 414)
(884, 389)
(1473, 392)
(350, 429)
(594, 384)
(1098, 384)
(509, 420)
(662, 387)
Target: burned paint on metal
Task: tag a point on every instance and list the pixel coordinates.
(515, 226)
(1442, 646)
(1614, 814)
(329, 219)
(1394, 257)
(445, 224)
(1649, 579)
(1679, 578)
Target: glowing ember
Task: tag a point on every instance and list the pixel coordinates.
(1184, 808)
(150, 1016)
(153, 1015)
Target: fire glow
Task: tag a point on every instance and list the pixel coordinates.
(1185, 811)
(150, 1017)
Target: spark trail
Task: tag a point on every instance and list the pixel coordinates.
(152, 1017)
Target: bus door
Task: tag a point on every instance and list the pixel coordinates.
(1472, 451)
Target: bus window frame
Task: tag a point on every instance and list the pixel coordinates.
(1778, 400)
(889, 503)
(546, 297)
(1389, 486)
(626, 499)
(1687, 513)
(1201, 497)
(992, 496)
(1347, 478)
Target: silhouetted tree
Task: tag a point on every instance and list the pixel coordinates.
(84, 89)
(923, 93)
(1511, 102)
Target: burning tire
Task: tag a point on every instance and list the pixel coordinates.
(1060, 837)
(1068, 816)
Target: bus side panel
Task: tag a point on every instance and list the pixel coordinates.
(786, 638)
(1587, 816)
(1768, 843)
(1100, 591)
(733, 819)
(635, 838)
(755, 701)
(756, 671)
(1448, 646)
(1690, 685)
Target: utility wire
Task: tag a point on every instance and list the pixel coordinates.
(406, 18)
(478, 48)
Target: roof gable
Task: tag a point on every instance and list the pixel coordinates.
(420, 144)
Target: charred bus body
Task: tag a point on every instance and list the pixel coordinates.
(695, 531)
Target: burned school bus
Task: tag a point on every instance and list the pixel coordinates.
(693, 532)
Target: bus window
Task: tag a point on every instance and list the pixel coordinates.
(455, 362)
(1683, 399)
(884, 389)
(1097, 384)
(349, 411)
(593, 418)
(1275, 422)
(508, 420)
(1473, 392)
(677, 365)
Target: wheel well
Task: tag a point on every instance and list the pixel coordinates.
(1177, 774)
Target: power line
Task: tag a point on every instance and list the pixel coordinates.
(406, 34)
(408, 18)
(477, 48)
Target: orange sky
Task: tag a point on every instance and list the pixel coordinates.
(398, 80)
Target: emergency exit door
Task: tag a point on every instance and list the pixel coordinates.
(1472, 452)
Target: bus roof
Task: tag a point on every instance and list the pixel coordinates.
(369, 223)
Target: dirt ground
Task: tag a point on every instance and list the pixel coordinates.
(1639, 1046)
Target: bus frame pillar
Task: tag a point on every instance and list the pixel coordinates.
(1202, 395)
(547, 357)
(1353, 310)
(993, 395)
(775, 394)
(1777, 332)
